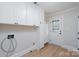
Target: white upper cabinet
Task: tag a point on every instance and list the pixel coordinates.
(12, 13)
(6, 13)
(21, 13)
(33, 14)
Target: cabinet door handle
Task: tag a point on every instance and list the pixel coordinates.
(60, 32)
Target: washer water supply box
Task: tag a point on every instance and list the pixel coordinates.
(10, 36)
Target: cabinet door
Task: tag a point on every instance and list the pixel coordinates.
(20, 13)
(12, 13)
(33, 15)
(37, 15)
(6, 13)
(42, 28)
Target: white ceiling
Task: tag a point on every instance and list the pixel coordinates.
(52, 7)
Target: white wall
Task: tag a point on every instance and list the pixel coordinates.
(69, 27)
(25, 36)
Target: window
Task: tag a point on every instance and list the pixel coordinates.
(55, 25)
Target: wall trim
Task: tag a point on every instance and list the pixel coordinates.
(69, 48)
(34, 47)
(19, 54)
(66, 47)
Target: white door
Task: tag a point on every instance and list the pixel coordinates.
(42, 28)
(56, 33)
(78, 33)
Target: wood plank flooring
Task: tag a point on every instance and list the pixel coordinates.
(51, 50)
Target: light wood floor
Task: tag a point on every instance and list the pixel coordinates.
(51, 50)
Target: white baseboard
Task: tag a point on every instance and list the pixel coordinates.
(66, 47)
(24, 52)
(69, 48)
(34, 47)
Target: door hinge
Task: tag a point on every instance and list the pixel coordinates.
(78, 33)
(77, 48)
(78, 38)
(78, 16)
